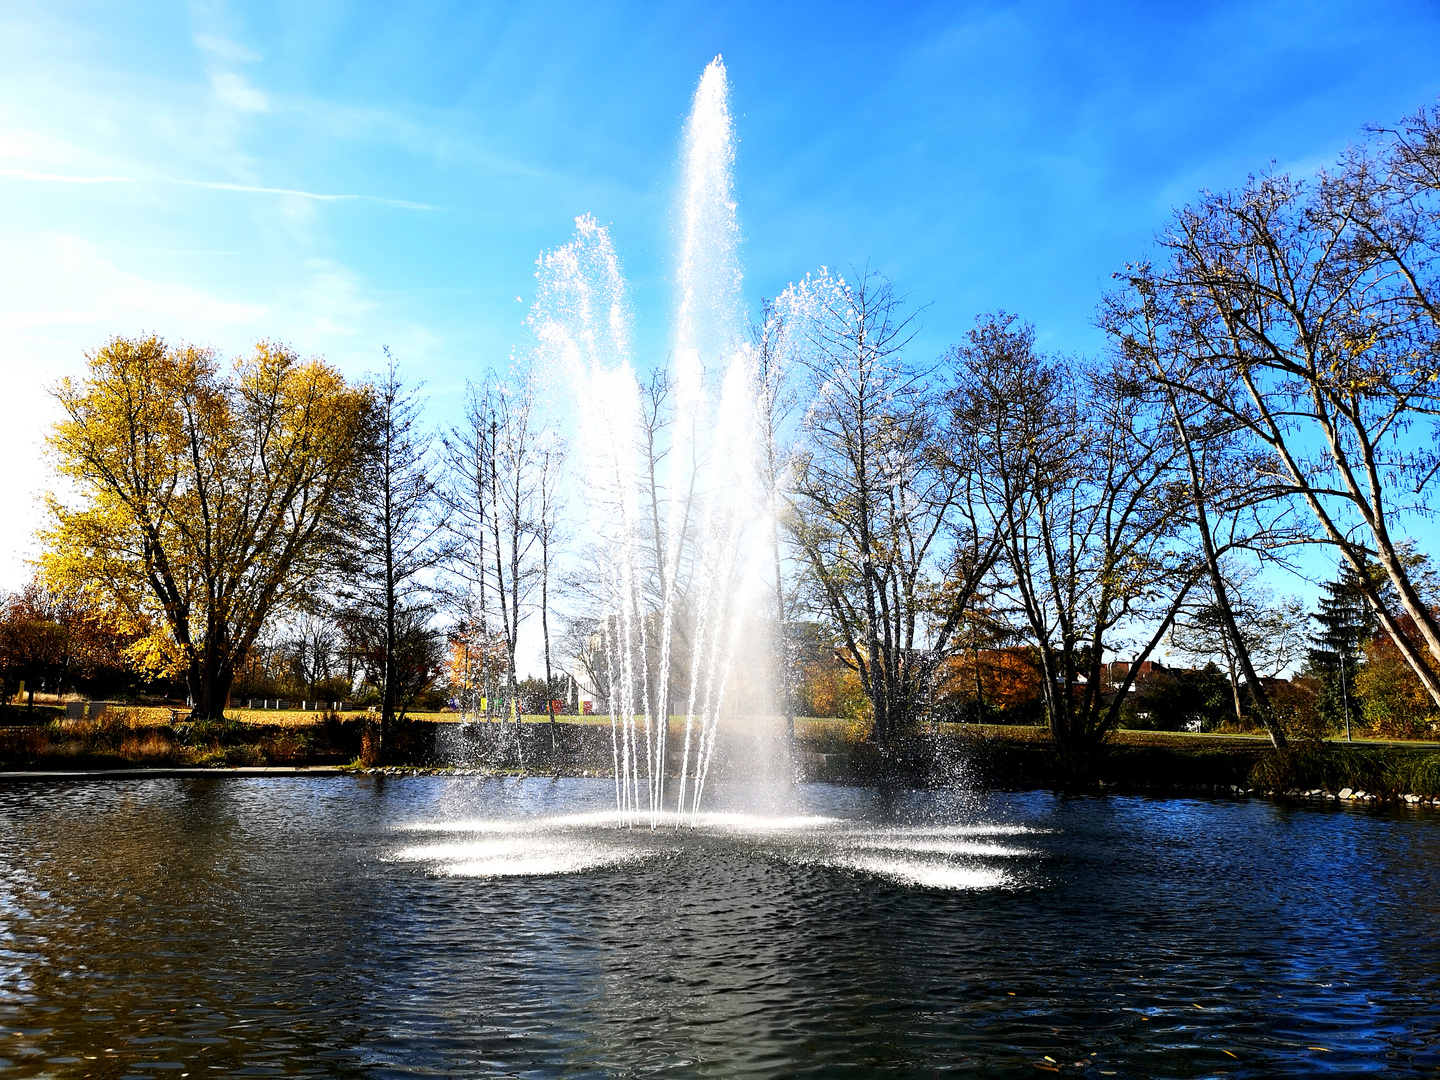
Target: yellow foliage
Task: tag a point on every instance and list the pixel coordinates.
(206, 499)
(831, 689)
(1394, 701)
(1004, 678)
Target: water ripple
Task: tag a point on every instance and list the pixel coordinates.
(431, 926)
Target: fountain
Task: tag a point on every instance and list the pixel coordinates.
(681, 517)
(678, 517)
(953, 856)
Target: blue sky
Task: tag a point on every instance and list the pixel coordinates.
(159, 162)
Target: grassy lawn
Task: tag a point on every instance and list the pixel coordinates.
(833, 749)
(821, 728)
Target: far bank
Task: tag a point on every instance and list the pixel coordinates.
(834, 751)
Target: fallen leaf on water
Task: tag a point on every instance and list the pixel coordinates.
(1322, 1049)
(1051, 1060)
(1235, 1056)
(1201, 1007)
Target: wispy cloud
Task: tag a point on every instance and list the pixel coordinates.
(217, 185)
(332, 300)
(169, 251)
(234, 91)
(226, 49)
(55, 178)
(214, 185)
(70, 281)
(435, 137)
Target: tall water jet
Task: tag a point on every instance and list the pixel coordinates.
(677, 547)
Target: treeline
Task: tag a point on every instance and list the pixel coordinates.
(1331, 671)
(1272, 382)
(1270, 385)
(268, 523)
(51, 639)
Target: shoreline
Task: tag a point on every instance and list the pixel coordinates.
(1345, 797)
(153, 772)
(1146, 763)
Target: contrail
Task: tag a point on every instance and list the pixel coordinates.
(220, 186)
(53, 178)
(215, 185)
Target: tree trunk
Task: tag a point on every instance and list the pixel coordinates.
(545, 633)
(1235, 691)
(209, 680)
(1217, 580)
(380, 750)
(782, 643)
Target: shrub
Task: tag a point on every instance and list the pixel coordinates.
(231, 756)
(287, 746)
(219, 733)
(830, 736)
(149, 748)
(1394, 703)
(1417, 774)
(1297, 708)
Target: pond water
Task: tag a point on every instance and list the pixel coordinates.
(440, 926)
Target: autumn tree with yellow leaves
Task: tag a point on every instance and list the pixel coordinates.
(207, 498)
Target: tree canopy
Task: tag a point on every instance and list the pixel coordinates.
(205, 498)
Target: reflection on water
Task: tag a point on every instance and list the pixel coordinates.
(431, 926)
(570, 843)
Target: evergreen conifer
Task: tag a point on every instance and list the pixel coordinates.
(1346, 624)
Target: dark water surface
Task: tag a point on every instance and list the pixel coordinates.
(432, 926)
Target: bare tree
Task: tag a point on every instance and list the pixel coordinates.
(1271, 634)
(512, 461)
(312, 646)
(395, 545)
(547, 525)
(1074, 467)
(668, 520)
(492, 461)
(409, 658)
(885, 521)
(584, 641)
(466, 494)
(661, 643)
(775, 401)
(1310, 314)
(1235, 503)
